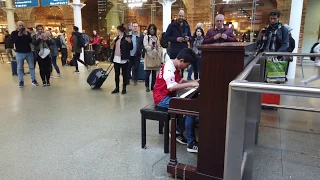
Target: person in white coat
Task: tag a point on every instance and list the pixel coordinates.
(153, 54)
(316, 49)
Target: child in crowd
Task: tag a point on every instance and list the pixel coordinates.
(168, 82)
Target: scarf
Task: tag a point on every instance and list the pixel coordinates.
(269, 38)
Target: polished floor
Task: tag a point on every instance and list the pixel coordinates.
(70, 132)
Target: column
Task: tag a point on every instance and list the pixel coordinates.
(77, 6)
(166, 13)
(166, 16)
(10, 15)
(295, 23)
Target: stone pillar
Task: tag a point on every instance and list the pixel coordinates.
(77, 6)
(166, 13)
(10, 15)
(295, 23)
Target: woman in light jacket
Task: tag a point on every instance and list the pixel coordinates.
(152, 59)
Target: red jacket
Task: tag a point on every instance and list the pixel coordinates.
(209, 38)
(96, 40)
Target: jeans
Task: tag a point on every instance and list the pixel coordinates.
(195, 70)
(190, 128)
(124, 68)
(76, 58)
(20, 57)
(153, 78)
(64, 56)
(96, 48)
(45, 67)
(54, 63)
(9, 54)
(134, 66)
(181, 124)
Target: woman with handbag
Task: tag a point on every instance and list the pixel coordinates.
(153, 54)
(42, 43)
(120, 57)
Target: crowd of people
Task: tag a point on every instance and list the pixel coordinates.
(130, 46)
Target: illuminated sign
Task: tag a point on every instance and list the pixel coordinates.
(54, 2)
(25, 3)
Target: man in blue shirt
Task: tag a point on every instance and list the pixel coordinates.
(135, 53)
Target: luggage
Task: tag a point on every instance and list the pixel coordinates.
(271, 99)
(14, 68)
(141, 75)
(276, 70)
(97, 77)
(88, 56)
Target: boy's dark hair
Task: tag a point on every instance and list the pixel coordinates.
(187, 55)
(121, 28)
(75, 28)
(274, 12)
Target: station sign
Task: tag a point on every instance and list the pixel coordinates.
(26, 3)
(54, 2)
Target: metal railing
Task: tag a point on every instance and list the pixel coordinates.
(244, 108)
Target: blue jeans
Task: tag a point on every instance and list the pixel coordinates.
(20, 57)
(188, 123)
(54, 63)
(195, 70)
(134, 64)
(153, 78)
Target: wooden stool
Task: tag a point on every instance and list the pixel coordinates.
(151, 112)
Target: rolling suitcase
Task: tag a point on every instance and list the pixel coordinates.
(141, 75)
(88, 56)
(97, 77)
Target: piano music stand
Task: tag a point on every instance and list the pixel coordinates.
(221, 63)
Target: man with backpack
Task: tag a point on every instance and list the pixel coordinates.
(178, 34)
(62, 45)
(78, 43)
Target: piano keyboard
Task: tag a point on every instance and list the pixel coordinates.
(188, 93)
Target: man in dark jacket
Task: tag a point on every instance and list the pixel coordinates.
(135, 53)
(8, 45)
(76, 49)
(219, 34)
(178, 34)
(22, 39)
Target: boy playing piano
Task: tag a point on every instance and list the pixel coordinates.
(167, 83)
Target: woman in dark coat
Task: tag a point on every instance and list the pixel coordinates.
(120, 58)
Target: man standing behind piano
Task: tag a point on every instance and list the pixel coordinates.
(219, 34)
(168, 82)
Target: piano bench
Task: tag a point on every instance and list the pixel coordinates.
(151, 112)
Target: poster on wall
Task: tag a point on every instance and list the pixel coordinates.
(25, 3)
(54, 2)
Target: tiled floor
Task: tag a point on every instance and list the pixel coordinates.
(68, 131)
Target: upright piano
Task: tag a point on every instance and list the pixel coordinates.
(220, 64)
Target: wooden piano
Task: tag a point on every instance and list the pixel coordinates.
(221, 63)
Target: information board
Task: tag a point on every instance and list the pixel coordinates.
(54, 2)
(25, 3)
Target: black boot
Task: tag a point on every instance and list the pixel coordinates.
(124, 90)
(116, 90)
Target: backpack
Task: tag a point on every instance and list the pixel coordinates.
(58, 41)
(311, 51)
(164, 40)
(81, 40)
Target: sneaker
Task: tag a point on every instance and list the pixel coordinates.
(48, 84)
(35, 83)
(123, 91)
(59, 76)
(181, 139)
(9, 62)
(148, 89)
(44, 85)
(76, 72)
(21, 84)
(135, 83)
(193, 147)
